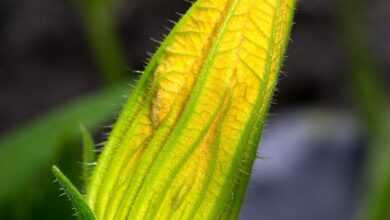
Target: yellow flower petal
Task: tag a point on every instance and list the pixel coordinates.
(187, 138)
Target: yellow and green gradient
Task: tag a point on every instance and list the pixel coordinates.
(184, 145)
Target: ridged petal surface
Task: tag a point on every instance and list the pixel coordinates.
(186, 141)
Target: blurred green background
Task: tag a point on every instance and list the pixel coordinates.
(66, 62)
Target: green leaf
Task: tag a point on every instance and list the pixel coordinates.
(370, 95)
(29, 150)
(82, 208)
(99, 23)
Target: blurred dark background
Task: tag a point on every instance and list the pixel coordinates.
(314, 145)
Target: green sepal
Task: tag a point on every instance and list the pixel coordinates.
(89, 155)
(78, 201)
